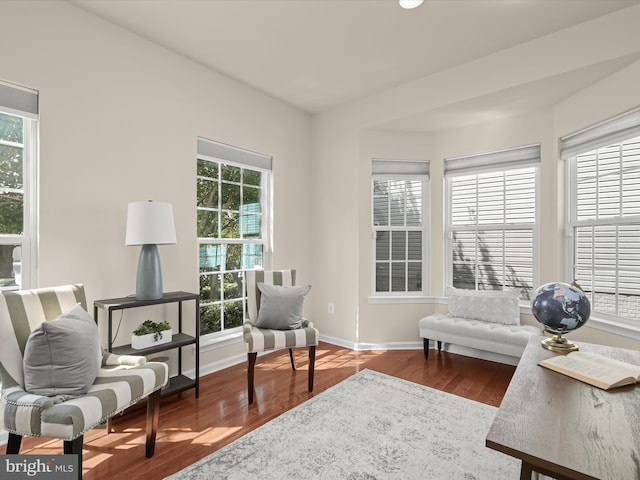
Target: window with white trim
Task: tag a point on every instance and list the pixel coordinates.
(399, 193)
(604, 216)
(18, 195)
(491, 220)
(233, 205)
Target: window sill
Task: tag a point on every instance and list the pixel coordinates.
(379, 300)
(617, 328)
(218, 341)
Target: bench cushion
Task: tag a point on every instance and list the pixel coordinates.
(495, 306)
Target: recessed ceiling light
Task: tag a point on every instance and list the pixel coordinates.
(409, 4)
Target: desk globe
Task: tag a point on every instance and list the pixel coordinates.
(561, 308)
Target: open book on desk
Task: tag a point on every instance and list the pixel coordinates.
(594, 369)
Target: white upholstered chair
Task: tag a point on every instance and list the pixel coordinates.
(265, 339)
(121, 380)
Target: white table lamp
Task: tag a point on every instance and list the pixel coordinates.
(149, 224)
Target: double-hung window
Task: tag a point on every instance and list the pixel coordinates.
(233, 205)
(603, 164)
(18, 195)
(491, 220)
(399, 190)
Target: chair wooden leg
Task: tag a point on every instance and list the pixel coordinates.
(13, 444)
(425, 346)
(312, 363)
(293, 365)
(153, 413)
(75, 447)
(251, 356)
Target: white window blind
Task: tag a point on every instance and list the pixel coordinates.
(399, 227)
(604, 215)
(491, 218)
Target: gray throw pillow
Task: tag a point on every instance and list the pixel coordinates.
(281, 307)
(62, 356)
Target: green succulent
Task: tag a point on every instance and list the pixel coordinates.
(149, 326)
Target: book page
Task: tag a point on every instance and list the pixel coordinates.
(628, 369)
(599, 374)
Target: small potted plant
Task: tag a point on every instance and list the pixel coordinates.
(150, 333)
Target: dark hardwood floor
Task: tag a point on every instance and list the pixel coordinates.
(192, 428)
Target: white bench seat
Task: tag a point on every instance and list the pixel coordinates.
(509, 340)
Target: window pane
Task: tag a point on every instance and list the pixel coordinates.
(11, 212)
(234, 253)
(207, 168)
(210, 288)
(397, 199)
(414, 245)
(398, 276)
(230, 173)
(414, 277)
(208, 224)
(210, 257)
(252, 177)
(207, 192)
(381, 210)
(398, 245)
(210, 319)
(233, 316)
(252, 256)
(230, 225)
(250, 196)
(414, 203)
(230, 194)
(10, 267)
(382, 277)
(382, 245)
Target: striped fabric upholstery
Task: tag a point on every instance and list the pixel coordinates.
(259, 339)
(119, 383)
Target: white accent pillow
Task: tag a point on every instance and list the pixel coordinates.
(495, 306)
(62, 356)
(281, 307)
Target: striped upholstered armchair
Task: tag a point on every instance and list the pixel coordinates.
(288, 330)
(121, 380)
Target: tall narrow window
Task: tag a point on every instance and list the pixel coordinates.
(491, 218)
(233, 223)
(604, 215)
(18, 162)
(399, 190)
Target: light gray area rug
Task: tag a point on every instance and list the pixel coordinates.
(370, 426)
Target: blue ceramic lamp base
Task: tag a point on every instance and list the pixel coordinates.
(149, 278)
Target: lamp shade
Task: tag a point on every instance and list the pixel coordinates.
(150, 223)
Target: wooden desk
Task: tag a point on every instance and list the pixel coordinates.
(567, 429)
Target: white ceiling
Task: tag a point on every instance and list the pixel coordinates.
(321, 54)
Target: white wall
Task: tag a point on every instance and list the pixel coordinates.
(119, 121)
(349, 134)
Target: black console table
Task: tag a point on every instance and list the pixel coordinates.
(179, 340)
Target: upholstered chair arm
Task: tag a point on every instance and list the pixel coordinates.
(22, 410)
